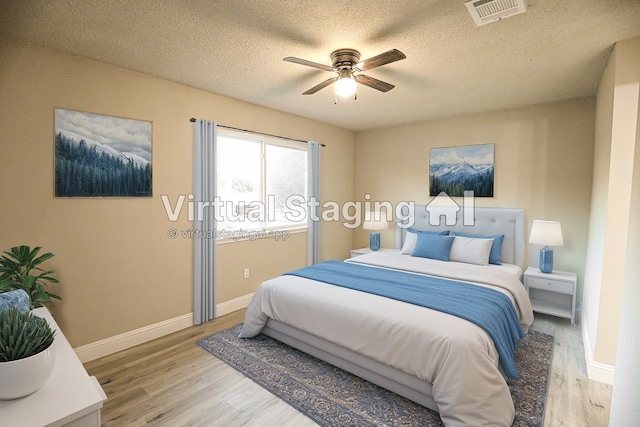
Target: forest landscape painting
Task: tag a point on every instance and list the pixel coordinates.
(454, 170)
(101, 156)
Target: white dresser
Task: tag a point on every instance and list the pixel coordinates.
(70, 397)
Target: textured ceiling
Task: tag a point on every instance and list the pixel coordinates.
(555, 51)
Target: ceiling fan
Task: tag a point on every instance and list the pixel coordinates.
(346, 63)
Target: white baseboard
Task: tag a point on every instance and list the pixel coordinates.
(596, 371)
(600, 372)
(233, 305)
(129, 339)
(107, 346)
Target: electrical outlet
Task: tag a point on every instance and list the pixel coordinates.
(246, 273)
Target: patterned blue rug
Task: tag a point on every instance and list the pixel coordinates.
(332, 397)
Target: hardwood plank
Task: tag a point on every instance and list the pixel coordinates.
(171, 381)
(572, 399)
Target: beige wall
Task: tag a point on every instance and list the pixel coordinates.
(265, 259)
(118, 269)
(543, 164)
(611, 209)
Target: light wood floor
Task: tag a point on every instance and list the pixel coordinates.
(173, 382)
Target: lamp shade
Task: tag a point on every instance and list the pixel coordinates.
(375, 221)
(548, 233)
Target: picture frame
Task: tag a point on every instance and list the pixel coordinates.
(98, 155)
(454, 170)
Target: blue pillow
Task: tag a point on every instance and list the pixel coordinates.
(412, 237)
(433, 246)
(495, 257)
(440, 233)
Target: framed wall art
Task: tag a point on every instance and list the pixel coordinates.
(101, 156)
(454, 170)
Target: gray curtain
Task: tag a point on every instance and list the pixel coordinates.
(313, 193)
(204, 190)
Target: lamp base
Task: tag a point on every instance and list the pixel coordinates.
(546, 260)
(374, 241)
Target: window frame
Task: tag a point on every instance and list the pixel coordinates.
(264, 140)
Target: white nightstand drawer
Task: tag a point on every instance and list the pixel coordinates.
(550, 285)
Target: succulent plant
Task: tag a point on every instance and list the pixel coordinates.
(23, 334)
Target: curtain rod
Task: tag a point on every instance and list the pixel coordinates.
(193, 120)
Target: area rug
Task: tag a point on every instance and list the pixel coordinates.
(333, 397)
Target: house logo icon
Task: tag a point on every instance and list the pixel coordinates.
(444, 206)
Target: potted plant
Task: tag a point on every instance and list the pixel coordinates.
(27, 353)
(20, 269)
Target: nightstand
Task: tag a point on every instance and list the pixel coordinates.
(552, 293)
(363, 251)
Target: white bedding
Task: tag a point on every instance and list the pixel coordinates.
(457, 357)
(498, 277)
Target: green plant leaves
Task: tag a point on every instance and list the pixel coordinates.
(19, 269)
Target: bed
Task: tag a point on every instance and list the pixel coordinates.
(444, 362)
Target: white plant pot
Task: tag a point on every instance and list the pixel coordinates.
(22, 377)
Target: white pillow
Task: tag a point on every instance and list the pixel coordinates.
(471, 251)
(410, 240)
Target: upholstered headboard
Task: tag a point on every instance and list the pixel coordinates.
(507, 221)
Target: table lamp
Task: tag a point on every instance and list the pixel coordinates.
(547, 233)
(374, 221)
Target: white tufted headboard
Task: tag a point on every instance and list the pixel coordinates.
(507, 221)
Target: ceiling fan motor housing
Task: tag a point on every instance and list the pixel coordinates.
(344, 58)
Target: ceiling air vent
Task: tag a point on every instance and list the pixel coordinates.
(486, 11)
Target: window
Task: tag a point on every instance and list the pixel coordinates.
(256, 176)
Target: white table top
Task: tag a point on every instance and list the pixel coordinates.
(69, 392)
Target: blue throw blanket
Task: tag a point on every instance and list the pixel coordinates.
(487, 308)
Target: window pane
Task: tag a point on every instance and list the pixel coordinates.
(286, 173)
(239, 182)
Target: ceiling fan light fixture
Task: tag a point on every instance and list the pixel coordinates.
(345, 62)
(346, 84)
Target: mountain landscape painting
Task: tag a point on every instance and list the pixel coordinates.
(101, 156)
(454, 170)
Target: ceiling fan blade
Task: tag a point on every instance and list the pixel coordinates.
(307, 63)
(320, 86)
(384, 58)
(374, 83)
